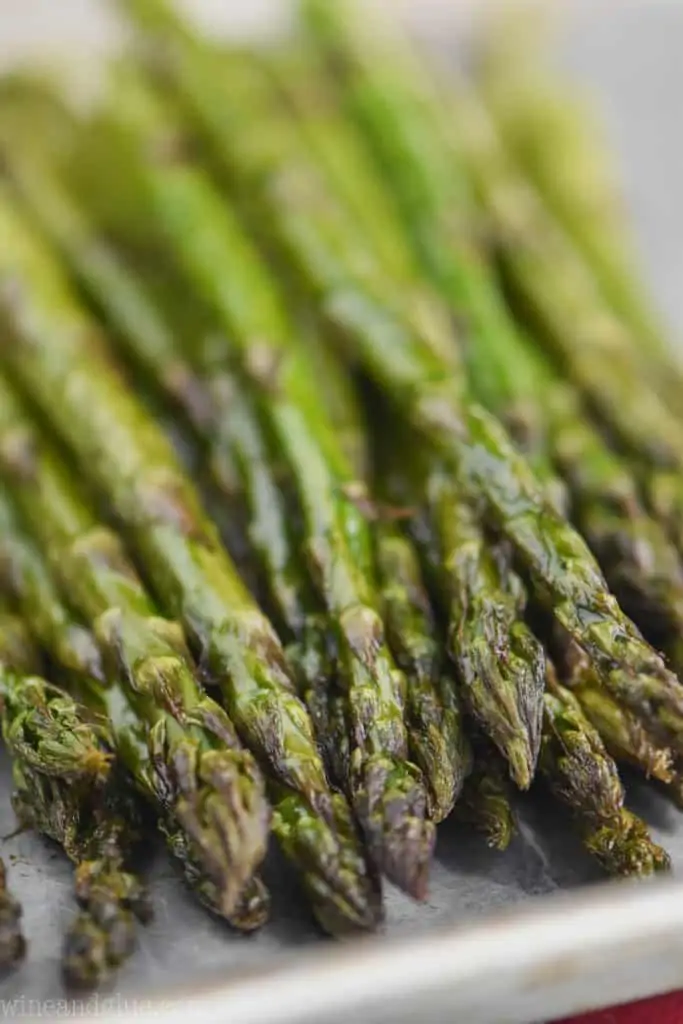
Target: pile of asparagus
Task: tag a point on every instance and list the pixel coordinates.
(341, 458)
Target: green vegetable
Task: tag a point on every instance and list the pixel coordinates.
(222, 265)
(486, 798)
(500, 663)
(580, 772)
(205, 782)
(559, 141)
(626, 738)
(126, 457)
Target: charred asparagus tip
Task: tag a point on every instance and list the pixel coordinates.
(627, 849)
(228, 819)
(392, 807)
(253, 907)
(521, 761)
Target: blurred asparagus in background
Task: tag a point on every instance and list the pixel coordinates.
(558, 137)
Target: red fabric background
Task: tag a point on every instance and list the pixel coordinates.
(662, 1010)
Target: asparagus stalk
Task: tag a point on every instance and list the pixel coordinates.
(335, 141)
(640, 563)
(54, 745)
(558, 140)
(434, 720)
(337, 536)
(97, 835)
(433, 717)
(128, 460)
(42, 725)
(581, 774)
(496, 177)
(207, 783)
(24, 576)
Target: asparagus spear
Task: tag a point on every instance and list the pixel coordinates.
(433, 718)
(580, 772)
(640, 564)
(128, 459)
(335, 141)
(559, 141)
(42, 725)
(496, 176)
(501, 665)
(485, 618)
(54, 744)
(337, 537)
(207, 783)
(97, 835)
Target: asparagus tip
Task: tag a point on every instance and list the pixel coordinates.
(521, 762)
(627, 849)
(227, 817)
(391, 802)
(345, 895)
(253, 907)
